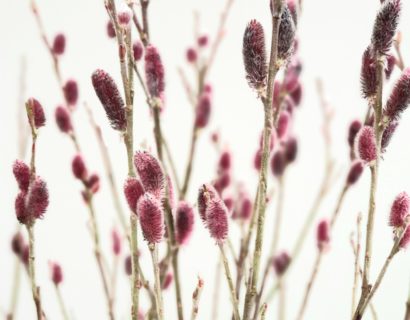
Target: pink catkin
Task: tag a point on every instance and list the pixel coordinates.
(217, 219)
(323, 234)
(17, 244)
(202, 41)
(56, 274)
(21, 172)
(137, 50)
(368, 75)
(399, 98)
(283, 124)
(366, 144)
(79, 168)
(203, 111)
(150, 173)
(93, 183)
(154, 72)
(281, 262)
(254, 55)
(59, 44)
(128, 265)
(184, 222)
(399, 210)
(167, 281)
(291, 150)
(151, 218)
(191, 55)
(405, 240)
(354, 128)
(37, 111)
(110, 98)
(225, 161)
(133, 190)
(116, 242)
(278, 163)
(71, 92)
(110, 30)
(286, 34)
(355, 172)
(63, 119)
(388, 134)
(205, 193)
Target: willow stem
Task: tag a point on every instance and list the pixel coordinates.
(195, 298)
(32, 273)
(61, 303)
(158, 293)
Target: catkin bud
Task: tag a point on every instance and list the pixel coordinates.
(366, 144)
(217, 219)
(184, 222)
(388, 134)
(167, 281)
(116, 242)
(150, 173)
(203, 111)
(400, 97)
(151, 218)
(254, 55)
(71, 92)
(278, 163)
(202, 41)
(154, 72)
(206, 192)
(354, 128)
(128, 265)
(286, 34)
(110, 30)
(225, 161)
(37, 112)
(137, 50)
(405, 240)
(79, 168)
(63, 119)
(59, 44)
(283, 124)
(21, 172)
(323, 235)
(385, 25)
(281, 262)
(133, 190)
(191, 55)
(400, 209)
(390, 63)
(368, 74)
(56, 273)
(17, 244)
(93, 183)
(291, 150)
(355, 172)
(110, 98)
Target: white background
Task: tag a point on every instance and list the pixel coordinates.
(333, 35)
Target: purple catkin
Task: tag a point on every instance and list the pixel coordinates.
(296, 95)
(79, 168)
(245, 208)
(388, 134)
(116, 242)
(323, 234)
(223, 181)
(110, 30)
(225, 161)
(217, 219)
(202, 41)
(133, 190)
(184, 222)
(167, 281)
(281, 262)
(137, 50)
(356, 170)
(286, 34)
(71, 92)
(229, 203)
(291, 150)
(399, 98)
(354, 128)
(37, 112)
(154, 72)
(283, 124)
(291, 80)
(59, 44)
(56, 273)
(385, 25)
(151, 218)
(150, 173)
(405, 240)
(257, 159)
(203, 111)
(93, 183)
(206, 192)
(128, 265)
(63, 119)
(191, 55)
(278, 163)
(366, 144)
(254, 55)
(390, 63)
(399, 210)
(21, 172)
(17, 244)
(368, 74)
(110, 98)
(124, 18)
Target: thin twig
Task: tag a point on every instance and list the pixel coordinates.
(61, 303)
(356, 251)
(157, 284)
(32, 272)
(195, 298)
(217, 285)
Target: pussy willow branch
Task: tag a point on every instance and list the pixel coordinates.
(196, 297)
(157, 283)
(356, 250)
(267, 133)
(275, 240)
(229, 279)
(216, 291)
(61, 303)
(125, 53)
(394, 250)
(374, 168)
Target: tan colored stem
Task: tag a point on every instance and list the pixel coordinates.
(157, 284)
(61, 303)
(216, 294)
(195, 299)
(32, 273)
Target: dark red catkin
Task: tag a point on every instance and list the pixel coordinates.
(137, 50)
(191, 55)
(399, 98)
(56, 273)
(93, 183)
(116, 242)
(59, 44)
(17, 244)
(368, 74)
(388, 134)
(323, 234)
(154, 72)
(385, 26)
(225, 161)
(354, 128)
(278, 163)
(400, 209)
(206, 191)
(366, 144)
(356, 170)
(216, 215)
(405, 240)
(184, 222)
(110, 30)
(128, 265)
(63, 119)
(71, 92)
(254, 55)
(150, 172)
(21, 172)
(133, 190)
(291, 150)
(167, 281)
(79, 168)
(286, 34)
(203, 110)
(110, 98)
(151, 218)
(202, 41)
(390, 64)
(281, 262)
(37, 111)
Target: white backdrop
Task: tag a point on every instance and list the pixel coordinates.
(333, 35)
